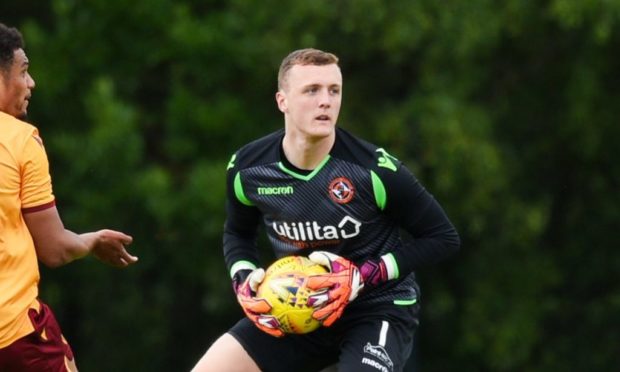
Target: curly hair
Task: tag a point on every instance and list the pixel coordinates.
(10, 40)
(308, 56)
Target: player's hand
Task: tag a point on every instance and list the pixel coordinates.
(109, 246)
(337, 287)
(255, 308)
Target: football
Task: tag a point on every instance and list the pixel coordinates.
(285, 288)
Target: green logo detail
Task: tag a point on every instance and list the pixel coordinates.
(386, 160)
(284, 190)
(231, 163)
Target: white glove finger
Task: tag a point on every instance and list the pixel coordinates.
(319, 299)
(256, 277)
(268, 321)
(323, 258)
(357, 283)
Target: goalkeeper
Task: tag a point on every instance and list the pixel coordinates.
(322, 192)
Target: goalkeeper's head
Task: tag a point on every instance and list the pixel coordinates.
(303, 57)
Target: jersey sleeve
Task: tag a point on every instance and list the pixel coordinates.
(36, 191)
(241, 226)
(433, 237)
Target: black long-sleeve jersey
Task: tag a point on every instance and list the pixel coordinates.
(353, 204)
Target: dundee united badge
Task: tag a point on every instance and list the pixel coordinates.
(341, 190)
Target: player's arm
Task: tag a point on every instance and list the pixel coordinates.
(241, 254)
(404, 200)
(240, 237)
(240, 229)
(57, 246)
(433, 237)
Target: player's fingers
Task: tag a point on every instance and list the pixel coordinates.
(272, 331)
(319, 299)
(324, 312)
(128, 258)
(322, 258)
(255, 278)
(268, 321)
(333, 317)
(333, 296)
(316, 282)
(116, 235)
(257, 306)
(267, 324)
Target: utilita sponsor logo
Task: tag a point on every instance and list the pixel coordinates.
(311, 230)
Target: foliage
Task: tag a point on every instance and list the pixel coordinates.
(504, 110)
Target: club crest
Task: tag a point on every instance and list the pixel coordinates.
(341, 190)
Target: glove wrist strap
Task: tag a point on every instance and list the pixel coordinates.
(377, 272)
(391, 266)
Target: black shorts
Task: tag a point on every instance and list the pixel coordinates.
(377, 337)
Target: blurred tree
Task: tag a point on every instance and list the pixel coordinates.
(505, 110)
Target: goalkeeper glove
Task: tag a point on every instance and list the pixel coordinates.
(374, 273)
(338, 287)
(370, 274)
(255, 308)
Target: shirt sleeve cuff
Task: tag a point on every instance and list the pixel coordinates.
(241, 265)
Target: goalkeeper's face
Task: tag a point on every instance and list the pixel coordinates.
(16, 85)
(310, 99)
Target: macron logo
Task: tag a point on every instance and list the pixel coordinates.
(375, 364)
(285, 190)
